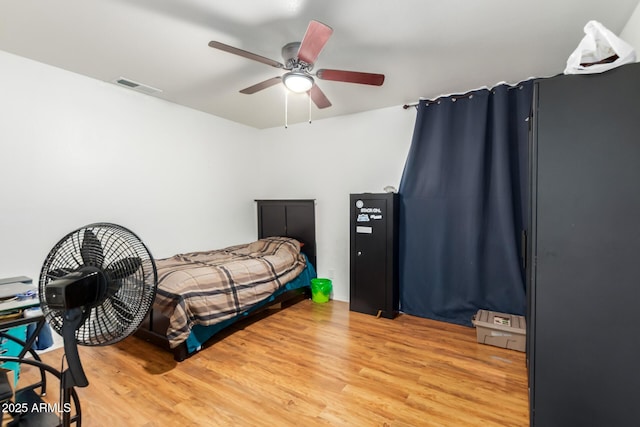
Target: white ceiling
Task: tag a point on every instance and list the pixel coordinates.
(424, 47)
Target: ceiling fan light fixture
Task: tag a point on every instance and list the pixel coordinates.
(297, 81)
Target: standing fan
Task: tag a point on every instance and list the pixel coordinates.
(96, 287)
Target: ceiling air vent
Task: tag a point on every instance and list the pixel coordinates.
(149, 90)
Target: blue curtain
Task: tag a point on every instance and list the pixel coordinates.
(463, 204)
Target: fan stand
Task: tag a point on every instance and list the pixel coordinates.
(74, 375)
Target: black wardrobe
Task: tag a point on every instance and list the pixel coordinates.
(584, 251)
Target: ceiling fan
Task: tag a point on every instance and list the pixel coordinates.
(299, 59)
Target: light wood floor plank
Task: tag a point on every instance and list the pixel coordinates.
(308, 364)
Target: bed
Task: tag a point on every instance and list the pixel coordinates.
(202, 293)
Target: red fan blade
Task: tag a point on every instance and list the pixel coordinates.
(313, 41)
(318, 97)
(351, 77)
(262, 85)
(245, 54)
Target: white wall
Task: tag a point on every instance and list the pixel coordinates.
(74, 150)
(631, 32)
(329, 159)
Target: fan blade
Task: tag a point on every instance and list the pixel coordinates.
(318, 97)
(91, 250)
(123, 268)
(122, 309)
(313, 41)
(262, 85)
(59, 272)
(245, 54)
(351, 77)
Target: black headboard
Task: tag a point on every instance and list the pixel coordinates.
(289, 218)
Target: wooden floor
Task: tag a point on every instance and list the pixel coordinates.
(308, 365)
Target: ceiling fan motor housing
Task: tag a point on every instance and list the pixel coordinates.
(290, 55)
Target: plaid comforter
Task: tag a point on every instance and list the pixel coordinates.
(209, 287)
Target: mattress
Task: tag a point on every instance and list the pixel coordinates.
(210, 287)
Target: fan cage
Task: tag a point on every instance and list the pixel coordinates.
(131, 281)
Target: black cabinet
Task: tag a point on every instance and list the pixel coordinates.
(374, 254)
(584, 251)
(289, 218)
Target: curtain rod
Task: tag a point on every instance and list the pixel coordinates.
(413, 104)
(454, 96)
